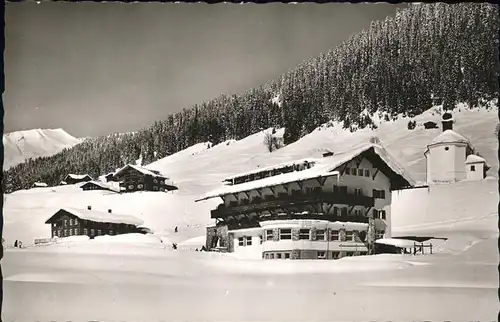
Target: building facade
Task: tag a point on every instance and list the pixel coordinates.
(134, 178)
(78, 222)
(310, 209)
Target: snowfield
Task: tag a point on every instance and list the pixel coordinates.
(22, 145)
(141, 278)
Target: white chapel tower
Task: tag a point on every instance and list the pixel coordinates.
(446, 154)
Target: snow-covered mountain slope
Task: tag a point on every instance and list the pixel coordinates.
(127, 275)
(22, 145)
(202, 167)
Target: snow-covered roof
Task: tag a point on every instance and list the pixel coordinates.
(338, 159)
(99, 216)
(325, 167)
(142, 170)
(100, 184)
(271, 167)
(472, 158)
(40, 184)
(284, 178)
(449, 136)
(77, 176)
(398, 242)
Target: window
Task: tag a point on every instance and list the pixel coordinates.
(320, 234)
(71, 232)
(304, 234)
(321, 255)
(155, 181)
(85, 231)
(287, 255)
(349, 235)
(65, 222)
(382, 214)
(66, 233)
(285, 234)
(335, 255)
(367, 173)
(266, 256)
(99, 232)
(130, 187)
(358, 212)
(54, 225)
(360, 172)
(347, 170)
(357, 192)
(344, 211)
(155, 188)
(92, 232)
(269, 234)
(241, 241)
(76, 221)
(271, 256)
(162, 189)
(334, 235)
(261, 239)
(249, 240)
(111, 232)
(380, 194)
(472, 168)
(140, 186)
(278, 256)
(71, 222)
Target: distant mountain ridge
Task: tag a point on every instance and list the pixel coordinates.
(20, 146)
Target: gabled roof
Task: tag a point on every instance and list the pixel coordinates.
(97, 216)
(100, 184)
(77, 176)
(384, 161)
(472, 158)
(327, 167)
(142, 170)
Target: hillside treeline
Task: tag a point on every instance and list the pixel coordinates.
(448, 52)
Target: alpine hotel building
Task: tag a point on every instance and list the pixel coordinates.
(324, 208)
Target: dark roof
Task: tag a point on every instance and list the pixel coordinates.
(419, 238)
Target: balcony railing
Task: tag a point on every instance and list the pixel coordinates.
(297, 200)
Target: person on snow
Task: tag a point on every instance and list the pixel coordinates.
(15, 243)
(176, 229)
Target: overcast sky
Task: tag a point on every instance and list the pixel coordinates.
(97, 68)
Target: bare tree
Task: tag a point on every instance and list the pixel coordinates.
(271, 142)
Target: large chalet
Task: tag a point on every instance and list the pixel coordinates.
(135, 178)
(324, 208)
(75, 222)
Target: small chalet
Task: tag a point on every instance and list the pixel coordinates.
(76, 222)
(134, 178)
(77, 178)
(96, 185)
(430, 125)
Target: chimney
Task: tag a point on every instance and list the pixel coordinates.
(89, 207)
(447, 121)
(109, 211)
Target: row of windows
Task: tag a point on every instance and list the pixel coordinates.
(305, 234)
(141, 186)
(380, 214)
(357, 172)
(319, 254)
(74, 232)
(380, 194)
(245, 241)
(68, 222)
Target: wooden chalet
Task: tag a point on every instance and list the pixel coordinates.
(352, 188)
(134, 178)
(430, 125)
(77, 178)
(77, 222)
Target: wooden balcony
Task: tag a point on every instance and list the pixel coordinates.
(296, 200)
